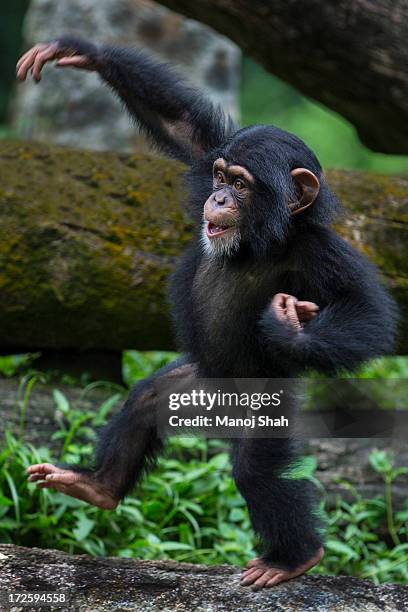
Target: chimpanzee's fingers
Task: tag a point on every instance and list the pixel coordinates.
(249, 572)
(26, 65)
(28, 60)
(251, 577)
(279, 299)
(274, 580)
(27, 54)
(66, 477)
(36, 477)
(302, 306)
(306, 311)
(75, 61)
(278, 305)
(264, 579)
(23, 58)
(42, 468)
(291, 314)
(48, 54)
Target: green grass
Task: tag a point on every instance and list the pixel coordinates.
(188, 508)
(137, 365)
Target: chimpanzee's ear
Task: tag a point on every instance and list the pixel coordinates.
(308, 187)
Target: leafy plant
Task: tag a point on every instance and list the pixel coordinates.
(11, 365)
(188, 508)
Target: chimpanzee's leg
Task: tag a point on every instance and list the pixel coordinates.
(282, 510)
(127, 446)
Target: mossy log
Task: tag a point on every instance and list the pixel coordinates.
(88, 240)
(148, 586)
(343, 465)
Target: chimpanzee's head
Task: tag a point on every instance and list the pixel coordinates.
(266, 182)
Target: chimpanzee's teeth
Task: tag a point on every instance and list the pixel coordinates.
(214, 229)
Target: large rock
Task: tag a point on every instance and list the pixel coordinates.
(106, 584)
(73, 108)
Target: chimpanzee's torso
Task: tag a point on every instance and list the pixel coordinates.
(218, 304)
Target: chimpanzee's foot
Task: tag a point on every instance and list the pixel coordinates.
(75, 484)
(260, 575)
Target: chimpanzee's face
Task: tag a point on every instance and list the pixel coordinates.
(263, 181)
(224, 211)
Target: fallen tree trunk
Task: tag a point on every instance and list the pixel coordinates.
(88, 240)
(339, 461)
(317, 47)
(148, 586)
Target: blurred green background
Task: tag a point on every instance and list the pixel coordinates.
(11, 21)
(266, 99)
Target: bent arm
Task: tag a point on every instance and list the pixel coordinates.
(344, 334)
(176, 117)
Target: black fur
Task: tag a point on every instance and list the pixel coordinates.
(221, 309)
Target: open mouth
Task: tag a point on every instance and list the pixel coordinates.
(216, 230)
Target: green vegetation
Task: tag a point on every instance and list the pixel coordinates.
(137, 365)
(11, 21)
(188, 508)
(266, 99)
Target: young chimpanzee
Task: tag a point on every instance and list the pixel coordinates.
(266, 289)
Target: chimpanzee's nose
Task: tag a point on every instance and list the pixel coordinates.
(220, 198)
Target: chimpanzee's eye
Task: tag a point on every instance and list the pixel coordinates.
(238, 184)
(219, 177)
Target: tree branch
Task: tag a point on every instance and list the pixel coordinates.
(349, 55)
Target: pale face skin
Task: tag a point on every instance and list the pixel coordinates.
(221, 233)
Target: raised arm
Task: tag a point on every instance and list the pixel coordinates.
(175, 116)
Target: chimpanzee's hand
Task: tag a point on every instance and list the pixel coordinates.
(290, 310)
(67, 52)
